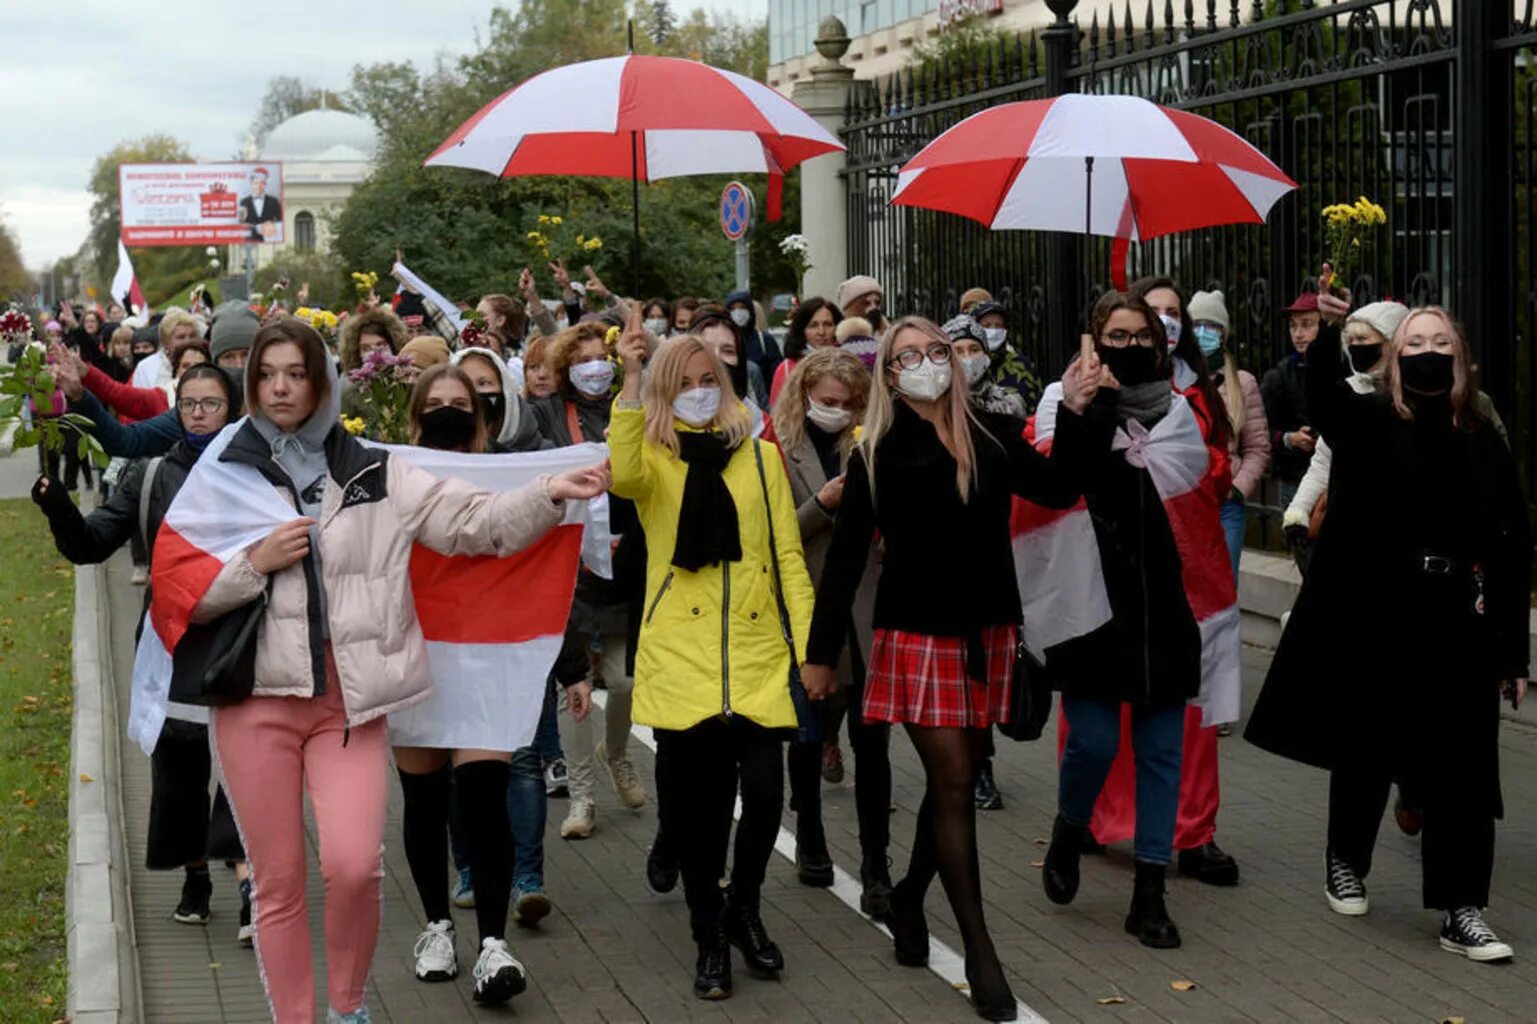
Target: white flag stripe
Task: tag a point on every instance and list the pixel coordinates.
(484, 696)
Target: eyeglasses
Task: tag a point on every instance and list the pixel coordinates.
(911, 358)
(207, 405)
(1143, 337)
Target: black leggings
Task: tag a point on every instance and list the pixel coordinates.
(699, 770)
(871, 743)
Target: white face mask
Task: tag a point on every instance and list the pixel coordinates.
(1172, 327)
(829, 417)
(996, 336)
(925, 382)
(657, 326)
(740, 317)
(592, 378)
(697, 406)
(975, 368)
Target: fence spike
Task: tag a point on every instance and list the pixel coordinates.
(1211, 15)
(1094, 37)
(1110, 40)
(1259, 11)
(1131, 30)
(1149, 37)
(1035, 66)
(1234, 19)
(1168, 21)
(1189, 17)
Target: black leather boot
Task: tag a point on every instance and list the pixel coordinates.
(1059, 876)
(875, 879)
(712, 971)
(909, 928)
(744, 929)
(813, 864)
(1210, 864)
(1149, 917)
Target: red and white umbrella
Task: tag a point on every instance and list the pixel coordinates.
(639, 117)
(1107, 165)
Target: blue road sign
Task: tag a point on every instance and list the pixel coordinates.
(736, 211)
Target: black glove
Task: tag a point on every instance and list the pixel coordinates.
(52, 499)
(1296, 537)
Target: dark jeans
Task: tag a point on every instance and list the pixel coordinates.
(871, 744)
(547, 738)
(1457, 850)
(1094, 736)
(696, 795)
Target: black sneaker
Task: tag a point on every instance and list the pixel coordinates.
(196, 890)
(745, 931)
(875, 888)
(1464, 932)
(712, 971)
(661, 868)
(984, 790)
(1343, 887)
(247, 934)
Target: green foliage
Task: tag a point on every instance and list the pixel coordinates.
(330, 287)
(37, 593)
(466, 232)
(14, 279)
(31, 377)
(287, 96)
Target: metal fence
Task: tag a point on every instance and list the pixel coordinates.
(1425, 106)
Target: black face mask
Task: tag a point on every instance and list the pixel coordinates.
(139, 357)
(1427, 372)
(447, 428)
(1364, 357)
(1132, 365)
(496, 407)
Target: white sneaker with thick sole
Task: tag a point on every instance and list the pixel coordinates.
(498, 974)
(626, 780)
(580, 820)
(435, 956)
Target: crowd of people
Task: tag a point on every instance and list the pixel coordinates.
(817, 533)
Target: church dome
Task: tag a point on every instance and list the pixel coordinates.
(322, 135)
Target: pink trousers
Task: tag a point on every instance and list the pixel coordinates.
(271, 750)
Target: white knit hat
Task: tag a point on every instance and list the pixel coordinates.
(1211, 306)
(1382, 317)
(856, 287)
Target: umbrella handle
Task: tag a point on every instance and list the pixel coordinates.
(1088, 197)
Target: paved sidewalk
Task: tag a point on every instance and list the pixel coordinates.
(1268, 950)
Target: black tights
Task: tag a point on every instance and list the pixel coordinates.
(482, 802)
(945, 838)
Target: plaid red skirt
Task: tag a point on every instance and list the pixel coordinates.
(920, 679)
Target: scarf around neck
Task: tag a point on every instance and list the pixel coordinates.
(1146, 403)
(708, 528)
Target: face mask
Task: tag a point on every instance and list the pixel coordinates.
(657, 326)
(496, 406)
(1209, 338)
(592, 378)
(697, 406)
(829, 418)
(975, 368)
(447, 428)
(139, 357)
(740, 317)
(1173, 328)
(925, 382)
(1427, 372)
(996, 336)
(1132, 365)
(1364, 357)
(197, 442)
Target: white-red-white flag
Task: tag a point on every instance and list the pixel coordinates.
(125, 284)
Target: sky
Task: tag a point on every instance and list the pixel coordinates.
(79, 78)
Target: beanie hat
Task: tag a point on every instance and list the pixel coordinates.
(233, 330)
(958, 328)
(1211, 306)
(856, 336)
(1382, 317)
(988, 307)
(856, 287)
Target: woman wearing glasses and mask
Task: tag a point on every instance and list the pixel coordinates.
(936, 478)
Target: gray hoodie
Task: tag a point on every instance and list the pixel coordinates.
(520, 431)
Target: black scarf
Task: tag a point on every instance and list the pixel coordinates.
(707, 523)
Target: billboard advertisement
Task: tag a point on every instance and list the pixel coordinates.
(202, 204)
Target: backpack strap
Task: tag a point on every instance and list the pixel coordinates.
(144, 491)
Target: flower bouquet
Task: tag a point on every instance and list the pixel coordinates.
(797, 249)
(32, 408)
(384, 383)
(473, 333)
(549, 241)
(1344, 226)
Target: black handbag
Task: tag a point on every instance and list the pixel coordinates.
(808, 714)
(1029, 697)
(215, 662)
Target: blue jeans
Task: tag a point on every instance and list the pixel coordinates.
(1234, 518)
(1094, 735)
(547, 739)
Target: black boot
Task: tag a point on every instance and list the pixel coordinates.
(661, 867)
(1059, 876)
(984, 790)
(813, 864)
(744, 929)
(875, 878)
(1209, 864)
(1149, 917)
(909, 928)
(712, 971)
(991, 996)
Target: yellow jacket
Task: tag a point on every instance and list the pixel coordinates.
(710, 641)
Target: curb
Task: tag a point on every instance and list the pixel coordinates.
(103, 968)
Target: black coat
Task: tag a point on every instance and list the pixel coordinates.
(1149, 653)
(87, 540)
(1286, 410)
(1383, 662)
(949, 566)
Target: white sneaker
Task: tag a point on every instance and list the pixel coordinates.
(498, 974)
(435, 956)
(622, 773)
(580, 820)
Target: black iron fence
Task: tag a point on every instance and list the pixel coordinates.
(1425, 106)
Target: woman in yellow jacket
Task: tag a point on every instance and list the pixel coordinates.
(713, 662)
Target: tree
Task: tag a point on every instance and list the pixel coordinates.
(661, 22)
(286, 96)
(14, 279)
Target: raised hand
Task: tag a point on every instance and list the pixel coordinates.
(527, 287)
(562, 277)
(67, 377)
(632, 350)
(594, 284)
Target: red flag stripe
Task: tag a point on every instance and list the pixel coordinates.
(489, 600)
(182, 573)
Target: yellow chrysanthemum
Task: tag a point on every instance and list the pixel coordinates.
(353, 425)
(593, 244)
(556, 221)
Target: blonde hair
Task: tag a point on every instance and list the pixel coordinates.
(790, 411)
(955, 416)
(971, 296)
(1464, 393)
(174, 319)
(665, 380)
(1232, 392)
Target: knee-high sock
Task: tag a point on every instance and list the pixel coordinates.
(425, 824)
(483, 816)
